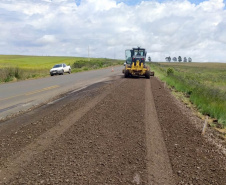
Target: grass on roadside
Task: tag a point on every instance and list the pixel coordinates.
(203, 83)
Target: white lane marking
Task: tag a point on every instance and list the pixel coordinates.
(50, 103)
(104, 79)
(78, 89)
(26, 104)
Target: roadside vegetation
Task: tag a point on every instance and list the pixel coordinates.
(204, 84)
(18, 67)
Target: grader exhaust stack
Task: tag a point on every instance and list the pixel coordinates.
(135, 63)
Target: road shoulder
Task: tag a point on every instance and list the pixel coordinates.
(158, 163)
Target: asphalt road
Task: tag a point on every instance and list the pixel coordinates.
(21, 96)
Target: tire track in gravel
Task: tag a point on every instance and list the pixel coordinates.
(19, 131)
(106, 146)
(16, 163)
(194, 160)
(116, 138)
(158, 163)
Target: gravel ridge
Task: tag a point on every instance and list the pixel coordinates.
(194, 160)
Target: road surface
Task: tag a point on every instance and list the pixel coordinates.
(23, 95)
(123, 131)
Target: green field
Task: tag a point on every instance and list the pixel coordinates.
(203, 83)
(18, 67)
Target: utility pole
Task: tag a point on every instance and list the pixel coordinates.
(88, 53)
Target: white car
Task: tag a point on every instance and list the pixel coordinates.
(60, 69)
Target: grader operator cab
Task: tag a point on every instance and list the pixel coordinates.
(135, 63)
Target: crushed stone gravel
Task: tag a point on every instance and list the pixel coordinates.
(109, 142)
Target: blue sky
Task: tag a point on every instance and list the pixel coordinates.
(135, 2)
(108, 27)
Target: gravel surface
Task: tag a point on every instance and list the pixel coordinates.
(127, 131)
(194, 160)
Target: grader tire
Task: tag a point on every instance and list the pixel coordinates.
(147, 74)
(126, 74)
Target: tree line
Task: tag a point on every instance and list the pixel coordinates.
(179, 59)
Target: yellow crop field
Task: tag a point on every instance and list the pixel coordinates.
(19, 67)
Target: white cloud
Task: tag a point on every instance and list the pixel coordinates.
(47, 39)
(108, 27)
(211, 5)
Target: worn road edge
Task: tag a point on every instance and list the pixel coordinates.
(158, 163)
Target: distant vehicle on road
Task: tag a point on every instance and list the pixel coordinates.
(60, 69)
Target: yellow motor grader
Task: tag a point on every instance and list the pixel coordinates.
(135, 63)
